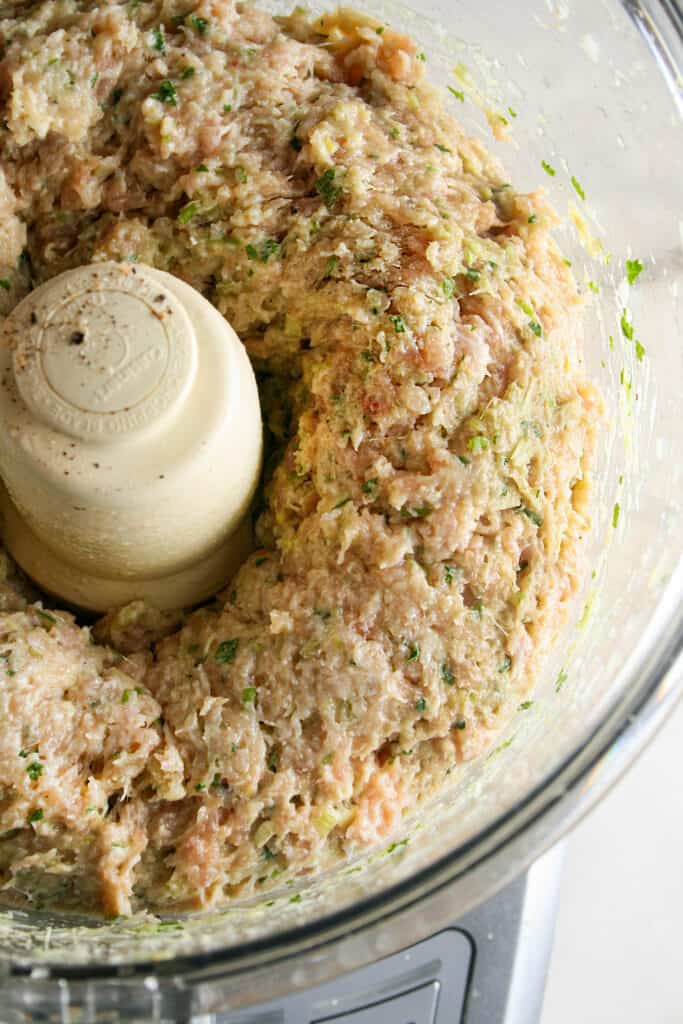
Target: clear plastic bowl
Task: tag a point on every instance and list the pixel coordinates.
(597, 89)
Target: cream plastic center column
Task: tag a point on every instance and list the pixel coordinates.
(130, 439)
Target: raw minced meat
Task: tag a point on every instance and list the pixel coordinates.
(416, 333)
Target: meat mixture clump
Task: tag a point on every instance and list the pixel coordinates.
(416, 335)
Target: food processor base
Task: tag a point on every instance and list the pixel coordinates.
(489, 967)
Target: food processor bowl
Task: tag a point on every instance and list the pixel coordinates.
(593, 89)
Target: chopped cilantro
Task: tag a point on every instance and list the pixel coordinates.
(188, 211)
(548, 169)
(187, 72)
(36, 815)
(328, 758)
(448, 574)
(535, 328)
(526, 705)
(158, 41)
(634, 268)
(448, 287)
(200, 24)
(94, 79)
(370, 486)
(416, 511)
(457, 93)
(399, 324)
(447, 673)
(532, 219)
(577, 188)
(227, 108)
(34, 770)
(442, 149)
(248, 696)
(421, 704)
(227, 651)
(615, 515)
(166, 93)
(420, 56)
(241, 175)
(413, 652)
(269, 247)
(326, 188)
(202, 168)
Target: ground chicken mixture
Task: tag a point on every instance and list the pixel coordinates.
(415, 331)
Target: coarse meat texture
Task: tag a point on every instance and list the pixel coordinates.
(416, 332)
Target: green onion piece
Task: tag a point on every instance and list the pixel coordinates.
(577, 188)
(413, 652)
(634, 269)
(188, 212)
(447, 673)
(248, 696)
(326, 188)
(457, 93)
(615, 515)
(548, 169)
(166, 93)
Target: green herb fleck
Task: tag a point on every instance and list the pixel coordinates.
(421, 705)
(577, 188)
(511, 112)
(125, 696)
(187, 72)
(399, 324)
(158, 39)
(626, 326)
(442, 149)
(471, 274)
(460, 723)
(370, 486)
(535, 517)
(465, 461)
(548, 169)
(226, 651)
(326, 188)
(526, 705)
(50, 620)
(241, 175)
(615, 515)
(34, 770)
(330, 267)
(296, 143)
(448, 287)
(94, 79)
(561, 680)
(634, 269)
(340, 504)
(449, 574)
(457, 93)
(200, 24)
(479, 443)
(640, 351)
(227, 108)
(296, 898)
(4, 284)
(447, 673)
(397, 846)
(166, 93)
(248, 696)
(420, 56)
(535, 328)
(506, 664)
(594, 286)
(532, 219)
(413, 652)
(525, 307)
(36, 815)
(202, 168)
(188, 212)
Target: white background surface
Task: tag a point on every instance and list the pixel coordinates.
(618, 956)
